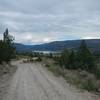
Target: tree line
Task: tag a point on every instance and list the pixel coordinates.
(7, 49)
(82, 59)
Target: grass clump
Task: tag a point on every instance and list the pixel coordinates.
(53, 68)
(97, 73)
(90, 85)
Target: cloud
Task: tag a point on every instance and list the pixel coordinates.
(39, 21)
(30, 38)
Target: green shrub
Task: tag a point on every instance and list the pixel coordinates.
(47, 65)
(54, 68)
(89, 85)
(39, 59)
(97, 72)
(64, 59)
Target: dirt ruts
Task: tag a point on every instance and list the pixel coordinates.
(33, 82)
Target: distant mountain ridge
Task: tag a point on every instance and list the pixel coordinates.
(23, 48)
(93, 44)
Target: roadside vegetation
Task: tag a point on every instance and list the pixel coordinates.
(79, 67)
(7, 52)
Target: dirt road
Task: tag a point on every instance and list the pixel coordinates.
(33, 82)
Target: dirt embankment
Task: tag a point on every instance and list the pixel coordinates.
(6, 73)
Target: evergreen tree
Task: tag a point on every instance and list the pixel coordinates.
(85, 57)
(5, 36)
(7, 50)
(64, 59)
(72, 60)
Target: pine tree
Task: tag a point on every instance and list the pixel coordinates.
(64, 59)
(5, 35)
(7, 50)
(72, 60)
(85, 57)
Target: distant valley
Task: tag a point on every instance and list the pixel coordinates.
(93, 44)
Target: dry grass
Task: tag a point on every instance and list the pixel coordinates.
(78, 78)
(83, 79)
(6, 71)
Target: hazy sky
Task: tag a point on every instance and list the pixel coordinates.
(40, 21)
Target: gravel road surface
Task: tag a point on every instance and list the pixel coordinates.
(33, 82)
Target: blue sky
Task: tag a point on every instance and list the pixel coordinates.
(40, 21)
